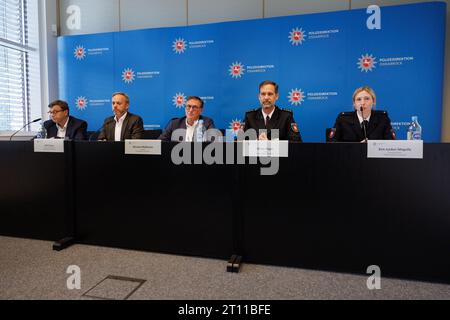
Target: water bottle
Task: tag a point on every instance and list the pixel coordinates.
(42, 133)
(200, 131)
(414, 130)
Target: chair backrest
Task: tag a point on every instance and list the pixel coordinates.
(329, 134)
(92, 135)
(152, 134)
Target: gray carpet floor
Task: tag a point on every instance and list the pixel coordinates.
(30, 269)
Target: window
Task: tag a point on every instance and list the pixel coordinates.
(19, 61)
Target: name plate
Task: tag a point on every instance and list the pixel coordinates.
(49, 145)
(143, 147)
(396, 149)
(267, 149)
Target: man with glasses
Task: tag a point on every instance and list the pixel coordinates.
(123, 125)
(62, 125)
(190, 122)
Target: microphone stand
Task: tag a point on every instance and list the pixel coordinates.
(364, 124)
(10, 138)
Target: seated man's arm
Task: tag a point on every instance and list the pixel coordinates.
(137, 130)
(81, 131)
(166, 135)
(294, 131)
(102, 135)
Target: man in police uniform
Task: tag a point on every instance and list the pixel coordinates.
(364, 123)
(269, 117)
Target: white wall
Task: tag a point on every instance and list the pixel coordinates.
(121, 15)
(142, 14)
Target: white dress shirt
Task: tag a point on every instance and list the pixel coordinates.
(361, 119)
(118, 130)
(265, 115)
(190, 130)
(62, 131)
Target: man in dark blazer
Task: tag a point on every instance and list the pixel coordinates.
(189, 123)
(123, 125)
(269, 117)
(364, 123)
(62, 125)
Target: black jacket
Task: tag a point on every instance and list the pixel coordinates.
(132, 128)
(348, 127)
(282, 119)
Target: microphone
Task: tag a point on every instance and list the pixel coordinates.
(36, 120)
(93, 134)
(364, 124)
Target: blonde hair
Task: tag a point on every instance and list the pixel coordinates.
(369, 90)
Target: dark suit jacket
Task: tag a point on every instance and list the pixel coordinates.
(348, 127)
(282, 119)
(180, 123)
(132, 128)
(76, 129)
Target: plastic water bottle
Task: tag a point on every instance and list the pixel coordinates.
(42, 133)
(414, 130)
(200, 131)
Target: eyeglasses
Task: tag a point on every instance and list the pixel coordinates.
(55, 111)
(188, 106)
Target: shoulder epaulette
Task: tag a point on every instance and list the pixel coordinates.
(286, 110)
(380, 111)
(252, 110)
(346, 113)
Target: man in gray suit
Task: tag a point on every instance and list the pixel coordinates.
(123, 125)
(189, 123)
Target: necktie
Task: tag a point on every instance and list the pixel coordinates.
(267, 127)
(365, 124)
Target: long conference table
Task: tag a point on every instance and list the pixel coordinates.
(328, 208)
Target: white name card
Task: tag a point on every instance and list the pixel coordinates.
(143, 147)
(397, 149)
(266, 149)
(49, 145)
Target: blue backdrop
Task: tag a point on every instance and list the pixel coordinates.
(317, 59)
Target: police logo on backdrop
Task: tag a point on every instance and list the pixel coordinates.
(179, 100)
(236, 125)
(297, 36)
(179, 46)
(237, 70)
(367, 63)
(80, 53)
(128, 75)
(81, 103)
(296, 97)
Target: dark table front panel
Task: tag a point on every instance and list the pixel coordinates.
(33, 197)
(148, 203)
(329, 207)
(332, 208)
